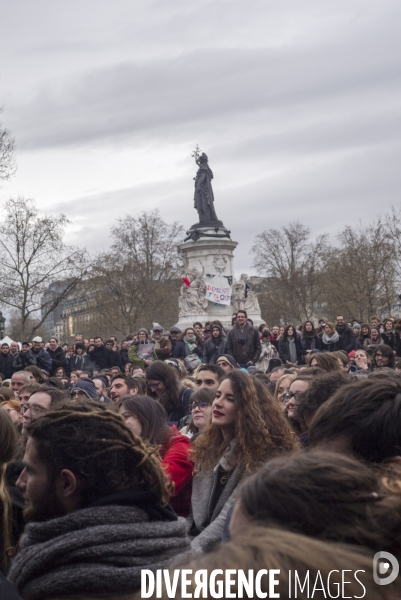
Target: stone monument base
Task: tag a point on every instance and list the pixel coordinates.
(208, 256)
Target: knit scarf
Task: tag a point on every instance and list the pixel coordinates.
(190, 343)
(94, 550)
(330, 340)
(292, 349)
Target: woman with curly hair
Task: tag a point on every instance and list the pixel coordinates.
(247, 428)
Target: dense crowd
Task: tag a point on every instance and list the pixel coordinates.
(212, 447)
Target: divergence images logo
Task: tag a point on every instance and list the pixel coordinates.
(381, 565)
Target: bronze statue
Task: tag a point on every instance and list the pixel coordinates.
(204, 199)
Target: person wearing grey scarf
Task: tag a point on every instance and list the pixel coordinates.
(96, 508)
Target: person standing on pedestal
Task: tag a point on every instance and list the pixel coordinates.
(243, 341)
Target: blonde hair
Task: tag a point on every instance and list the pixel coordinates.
(289, 376)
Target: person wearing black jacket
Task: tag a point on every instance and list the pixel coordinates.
(80, 361)
(309, 339)
(6, 361)
(115, 356)
(289, 347)
(24, 358)
(215, 346)
(347, 336)
(123, 355)
(57, 355)
(101, 356)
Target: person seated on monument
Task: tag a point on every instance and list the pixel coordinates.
(215, 346)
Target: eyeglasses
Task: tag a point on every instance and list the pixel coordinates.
(153, 386)
(35, 409)
(289, 395)
(78, 394)
(200, 405)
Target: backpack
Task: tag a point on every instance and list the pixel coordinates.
(192, 361)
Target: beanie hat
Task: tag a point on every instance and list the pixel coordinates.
(356, 326)
(79, 345)
(230, 359)
(102, 378)
(144, 331)
(87, 386)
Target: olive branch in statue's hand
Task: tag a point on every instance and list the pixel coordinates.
(196, 153)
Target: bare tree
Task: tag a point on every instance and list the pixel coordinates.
(360, 275)
(138, 280)
(8, 164)
(292, 263)
(32, 256)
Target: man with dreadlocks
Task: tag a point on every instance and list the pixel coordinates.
(96, 505)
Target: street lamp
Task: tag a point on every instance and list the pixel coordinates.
(2, 322)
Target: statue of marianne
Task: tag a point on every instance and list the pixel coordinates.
(204, 199)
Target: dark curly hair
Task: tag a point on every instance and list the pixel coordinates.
(261, 430)
(104, 455)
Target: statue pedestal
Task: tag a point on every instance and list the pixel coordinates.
(208, 258)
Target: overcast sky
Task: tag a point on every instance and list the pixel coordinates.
(297, 105)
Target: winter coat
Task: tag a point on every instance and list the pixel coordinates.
(306, 343)
(173, 344)
(102, 358)
(211, 523)
(182, 410)
(80, 363)
(333, 347)
(23, 360)
(179, 467)
(101, 548)
(58, 359)
(123, 355)
(162, 347)
(212, 351)
(244, 353)
(136, 360)
(268, 352)
(6, 365)
(181, 351)
(347, 338)
(393, 339)
(284, 350)
(43, 360)
(361, 342)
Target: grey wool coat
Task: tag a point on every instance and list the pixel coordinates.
(203, 486)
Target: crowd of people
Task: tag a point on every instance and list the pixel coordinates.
(209, 448)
